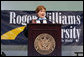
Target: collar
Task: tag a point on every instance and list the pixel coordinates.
(42, 18)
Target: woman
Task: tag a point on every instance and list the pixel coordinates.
(41, 13)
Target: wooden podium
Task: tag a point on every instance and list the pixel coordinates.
(44, 40)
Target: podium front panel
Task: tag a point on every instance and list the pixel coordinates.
(49, 34)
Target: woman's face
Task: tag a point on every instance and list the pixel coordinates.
(41, 13)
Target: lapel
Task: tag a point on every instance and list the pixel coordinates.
(44, 21)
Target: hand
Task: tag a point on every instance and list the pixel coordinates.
(33, 21)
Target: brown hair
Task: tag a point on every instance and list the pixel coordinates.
(40, 8)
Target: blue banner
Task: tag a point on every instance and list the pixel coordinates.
(13, 23)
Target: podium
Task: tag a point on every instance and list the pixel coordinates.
(44, 40)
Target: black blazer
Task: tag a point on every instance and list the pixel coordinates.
(25, 31)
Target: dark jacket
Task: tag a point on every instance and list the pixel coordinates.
(25, 31)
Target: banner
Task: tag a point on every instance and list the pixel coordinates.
(13, 23)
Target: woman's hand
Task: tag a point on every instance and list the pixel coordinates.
(33, 21)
